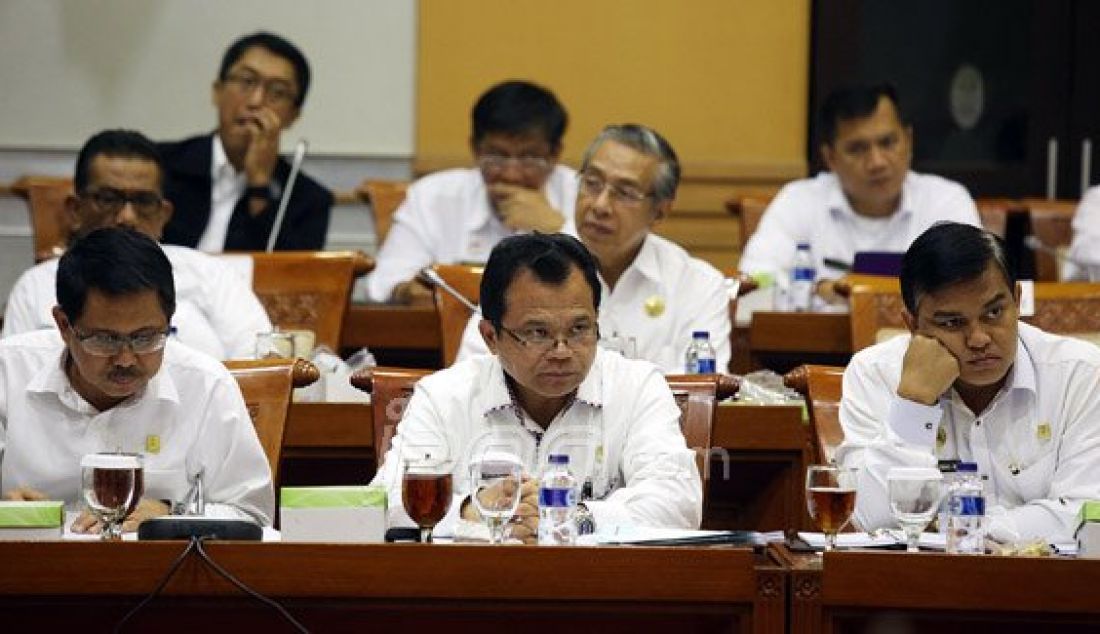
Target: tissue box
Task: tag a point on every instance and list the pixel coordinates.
(352, 514)
(31, 520)
(1088, 531)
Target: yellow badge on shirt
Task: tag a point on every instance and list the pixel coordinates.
(941, 437)
(152, 443)
(655, 306)
(1042, 432)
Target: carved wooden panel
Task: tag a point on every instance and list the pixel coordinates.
(293, 309)
(1067, 315)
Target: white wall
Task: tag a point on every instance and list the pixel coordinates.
(69, 68)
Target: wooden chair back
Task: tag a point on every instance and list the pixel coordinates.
(390, 390)
(697, 396)
(994, 213)
(267, 386)
(308, 289)
(384, 197)
(875, 308)
(453, 314)
(1052, 223)
(821, 385)
(51, 224)
(748, 210)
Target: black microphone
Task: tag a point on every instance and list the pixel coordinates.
(429, 275)
(284, 200)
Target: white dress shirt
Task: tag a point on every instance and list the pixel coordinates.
(447, 218)
(815, 210)
(189, 419)
(1083, 262)
(1037, 444)
(692, 296)
(621, 432)
(227, 185)
(216, 311)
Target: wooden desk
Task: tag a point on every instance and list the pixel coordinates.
(891, 591)
(405, 336)
(757, 466)
(89, 586)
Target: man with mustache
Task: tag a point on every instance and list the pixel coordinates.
(227, 186)
(549, 389)
(109, 378)
(654, 291)
(118, 181)
(459, 215)
(972, 383)
(869, 200)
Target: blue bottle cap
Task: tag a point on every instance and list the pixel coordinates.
(971, 467)
(558, 458)
(700, 334)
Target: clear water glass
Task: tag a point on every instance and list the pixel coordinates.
(915, 495)
(496, 480)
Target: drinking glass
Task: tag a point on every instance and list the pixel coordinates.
(112, 486)
(274, 345)
(830, 498)
(426, 488)
(915, 495)
(496, 478)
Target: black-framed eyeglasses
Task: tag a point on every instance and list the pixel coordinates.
(592, 185)
(110, 201)
(541, 340)
(496, 163)
(277, 92)
(108, 344)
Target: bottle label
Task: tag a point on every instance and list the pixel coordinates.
(705, 366)
(969, 505)
(549, 497)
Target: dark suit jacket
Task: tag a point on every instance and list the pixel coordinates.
(187, 184)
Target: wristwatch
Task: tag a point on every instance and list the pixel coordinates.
(264, 192)
(585, 521)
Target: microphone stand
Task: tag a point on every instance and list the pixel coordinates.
(432, 278)
(284, 200)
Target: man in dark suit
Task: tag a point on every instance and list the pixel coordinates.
(227, 186)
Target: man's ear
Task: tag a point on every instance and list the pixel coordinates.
(909, 320)
(660, 211)
(827, 156)
(72, 212)
(488, 334)
(61, 320)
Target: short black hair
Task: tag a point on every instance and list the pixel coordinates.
(114, 261)
(277, 45)
(518, 107)
(854, 101)
(551, 257)
(116, 144)
(946, 254)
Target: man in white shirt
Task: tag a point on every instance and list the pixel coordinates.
(109, 378)
(118, 182)
(654, 291)
(869, 200)
(1083, 262)
(459, 215)
(549, 389)
(971, 383)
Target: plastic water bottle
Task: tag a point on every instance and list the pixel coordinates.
(803, 279)
(557, 503)
(966, 512)
(699, 357)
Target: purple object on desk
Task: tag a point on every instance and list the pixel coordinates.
(878, 263)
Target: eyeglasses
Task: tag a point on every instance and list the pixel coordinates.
(539, 339)
(592, 185)
(277, 92)
(496, 163)
(109, 344)
(110, 201)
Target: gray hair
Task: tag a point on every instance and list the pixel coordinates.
(647, 141)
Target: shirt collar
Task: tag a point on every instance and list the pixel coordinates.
(839, 204)
(220, 167)
(52, 379)
(499, 396)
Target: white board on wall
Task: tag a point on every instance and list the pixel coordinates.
(69, 68)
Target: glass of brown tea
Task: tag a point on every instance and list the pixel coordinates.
(831, 498)
(113, 484)
(426, 488)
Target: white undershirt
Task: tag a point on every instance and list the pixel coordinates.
(227, 185)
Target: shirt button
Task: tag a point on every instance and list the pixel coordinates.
(978, 423)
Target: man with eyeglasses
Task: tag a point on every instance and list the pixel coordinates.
(655, 292)
(869, 200)
(110, 379)
(117, 181)
(458, 215)
(227, 186)
(549, 389)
